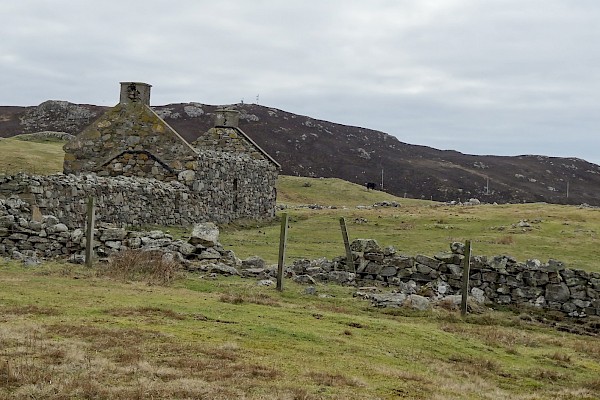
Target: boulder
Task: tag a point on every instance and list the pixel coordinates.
(365, 246)
(7, 221)
(457, 248)
(428, 261)
(306, 279)
(418, 302)
(49, 220)
(209, 254)
(478, 295)
(113, 234)
(205, 233)
(254, 262)
(222, 269)
(557, 292)
(395, 300)
(57, 228)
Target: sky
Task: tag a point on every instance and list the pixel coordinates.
(501, 77)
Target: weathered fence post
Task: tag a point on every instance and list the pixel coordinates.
(465, 282)
(282, 245)
(349, 258)
(89, 233)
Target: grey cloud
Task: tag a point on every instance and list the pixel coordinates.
(499, 76)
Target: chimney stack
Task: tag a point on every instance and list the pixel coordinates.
(227, 118)
(135, 92)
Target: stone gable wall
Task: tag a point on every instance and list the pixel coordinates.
(139, 164)
(126, 127)
(227, 139)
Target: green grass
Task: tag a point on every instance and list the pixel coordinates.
(229, 338)
(67, 332)
(566, 233)
(33, 157)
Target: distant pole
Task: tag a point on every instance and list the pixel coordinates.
(349, 258)
(465, 282)
(382, 179)
(567, 189)
(282, 245)
(89, 236)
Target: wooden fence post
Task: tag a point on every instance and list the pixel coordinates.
(349, 258)
(89, 234)
(465, 282)
(282, 245)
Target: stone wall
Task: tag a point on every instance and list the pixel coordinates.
(499, 280)
(502, 279)
(22, 237)
(220, 189)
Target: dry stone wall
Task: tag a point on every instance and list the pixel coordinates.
(219, 189)
(502, 279)
(27, 239)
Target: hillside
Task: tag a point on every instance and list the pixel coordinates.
(308, 147)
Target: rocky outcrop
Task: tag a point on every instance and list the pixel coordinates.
(58, 116)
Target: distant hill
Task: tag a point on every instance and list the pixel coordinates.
(308, 147)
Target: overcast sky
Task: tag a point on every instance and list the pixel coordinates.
(502, 77)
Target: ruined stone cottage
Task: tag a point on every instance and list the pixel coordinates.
(141, 171)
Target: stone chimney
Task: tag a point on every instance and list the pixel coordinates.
(227, 118)
(135, 92)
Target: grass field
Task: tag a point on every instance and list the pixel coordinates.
(71, 333)
(566, 233)
(66, 333)
(33, 157)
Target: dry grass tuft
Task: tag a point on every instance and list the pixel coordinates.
(334, 380)
(255, 298)
(28, 310)
(593, 385)
(145, 312)
(562, 359)
(145, 266)
(548, 375)
(475, 365)
(102, 339)
(494, 336)
(506, 240)
(588, 347)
